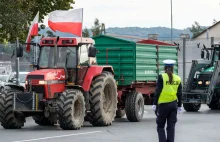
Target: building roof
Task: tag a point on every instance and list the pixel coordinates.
(149, 41)
(206, 29)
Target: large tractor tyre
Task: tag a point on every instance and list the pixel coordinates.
(9, 118)
(42, 120)
(120, 113)
(71, 109)
(134, 106)
(103, 94)
(214, 104)
(191, 107)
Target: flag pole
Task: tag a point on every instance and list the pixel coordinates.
(82, 25)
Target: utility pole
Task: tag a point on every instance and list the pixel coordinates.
(171, 21)
(17, 62)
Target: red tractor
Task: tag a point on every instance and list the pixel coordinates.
(66, 87)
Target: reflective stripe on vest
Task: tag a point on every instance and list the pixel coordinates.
(169, 91)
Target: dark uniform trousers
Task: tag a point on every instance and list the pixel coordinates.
(166, 112)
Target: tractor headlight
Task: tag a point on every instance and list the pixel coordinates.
(200, 82)
(42, 82)
(207, 82)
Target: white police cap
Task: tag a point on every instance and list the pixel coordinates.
(169, 62)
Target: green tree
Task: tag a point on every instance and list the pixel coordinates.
(15, 15)
(96, 29)
(196, 29)
(50, 34)
(85, 32)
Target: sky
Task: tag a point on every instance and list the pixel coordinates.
(148, 13)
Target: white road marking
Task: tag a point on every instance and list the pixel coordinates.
(38, 139)
(145, 112)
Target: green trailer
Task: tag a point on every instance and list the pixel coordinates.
(136, 66)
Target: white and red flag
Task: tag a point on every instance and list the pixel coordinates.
(33, 31)
(66, 21)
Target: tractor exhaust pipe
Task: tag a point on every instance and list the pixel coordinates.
(55, 52)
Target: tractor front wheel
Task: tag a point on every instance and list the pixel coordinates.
(103, 94)
(9, 118)
(71, 109)
(191, 106)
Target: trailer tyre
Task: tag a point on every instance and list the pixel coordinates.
(43, 121)
(10, 119)
(191, 106)
(134, 106)
(120, 113)
(103, 94)
(71, 109)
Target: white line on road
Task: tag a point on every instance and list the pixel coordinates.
(58, 136)
(145, 112)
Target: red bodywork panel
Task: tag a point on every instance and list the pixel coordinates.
(57, 76)
(92, 72)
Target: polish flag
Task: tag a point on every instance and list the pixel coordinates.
(33, 31)
(66, 21)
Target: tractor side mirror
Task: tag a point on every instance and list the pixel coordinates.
(202, 54)
(92, 51)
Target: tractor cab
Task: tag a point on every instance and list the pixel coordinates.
(74, 55)
(203, 76)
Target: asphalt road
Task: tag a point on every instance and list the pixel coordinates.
(202, 126)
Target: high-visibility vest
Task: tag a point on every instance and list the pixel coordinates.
(169, 91)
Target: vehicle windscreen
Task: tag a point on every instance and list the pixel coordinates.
(65, 56)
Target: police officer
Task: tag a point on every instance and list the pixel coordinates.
(167, 101)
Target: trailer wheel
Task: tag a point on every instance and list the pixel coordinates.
(9, 118)
(71, 109)
(103, 92)
(43, 121)
(120, 113)
(134, 106)
(191, 106)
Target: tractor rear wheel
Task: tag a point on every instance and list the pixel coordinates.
(134, 106)
(71, 109)
(9, 118)
(120, 113)
(103, 94)
(215, 103)
(191, 106)
(42, 120)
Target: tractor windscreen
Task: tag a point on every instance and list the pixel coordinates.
(66, 57)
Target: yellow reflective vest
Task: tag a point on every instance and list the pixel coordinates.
(169, 91)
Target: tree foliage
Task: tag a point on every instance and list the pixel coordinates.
(96, 29)
(50, 34)
(16, 15)
(196, 29)
(85, 32)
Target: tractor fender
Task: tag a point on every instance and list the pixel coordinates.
(92, 72)
(16, 87)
